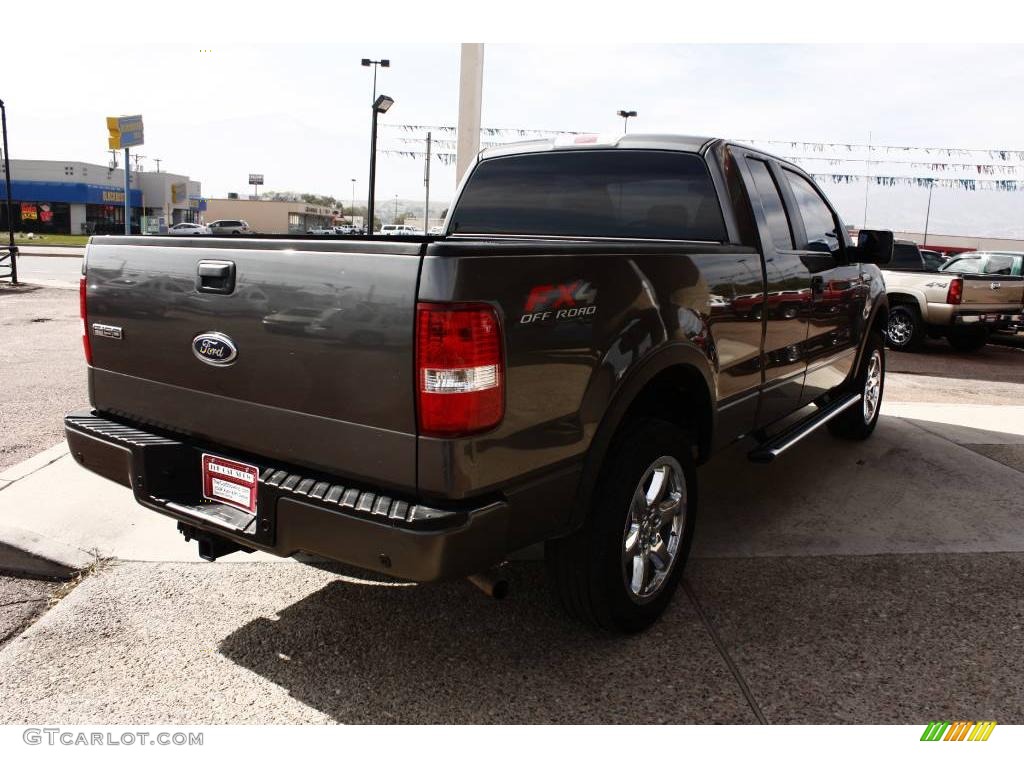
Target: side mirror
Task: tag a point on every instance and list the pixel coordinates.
(874, 246)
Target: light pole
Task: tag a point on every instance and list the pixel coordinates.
(625, 115)
(396, 209)
(375, 63)
(380, 106)
(352, 211)
(13, 252)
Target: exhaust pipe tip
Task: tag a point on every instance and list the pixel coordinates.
(492, 583)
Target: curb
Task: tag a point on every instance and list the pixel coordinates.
(26, 552)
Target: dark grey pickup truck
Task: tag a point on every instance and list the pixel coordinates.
(598, 318)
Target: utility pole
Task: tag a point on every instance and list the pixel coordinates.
(928, 215)
(157, 161)
(352, 211)
(396, 209)
(426, 184)
(867, 182)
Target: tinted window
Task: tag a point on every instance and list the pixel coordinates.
(905, 256)
(593, 193)
(819, 223)
(771, 202)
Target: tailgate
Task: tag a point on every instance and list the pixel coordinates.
(322, 336)
(993, 292)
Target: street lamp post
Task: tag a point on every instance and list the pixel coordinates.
(380, 106)
(13, 252)
(352, 211)
(396, 209)
(376, 63)
(625, 115)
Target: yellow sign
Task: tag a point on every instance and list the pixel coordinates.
(179, 193)
(113, 197)
(125, 131)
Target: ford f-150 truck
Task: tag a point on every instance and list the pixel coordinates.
(550, 369)
(964, 300)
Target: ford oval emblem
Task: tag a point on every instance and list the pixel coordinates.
(214, 349)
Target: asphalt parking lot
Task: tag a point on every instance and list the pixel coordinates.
(878, 582)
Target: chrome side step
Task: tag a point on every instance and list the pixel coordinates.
(786, 439)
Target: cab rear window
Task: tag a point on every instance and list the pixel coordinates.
(592, 193)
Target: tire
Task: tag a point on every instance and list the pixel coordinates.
(905, 331)
(858, 422)
(967, 339)
(591, 571)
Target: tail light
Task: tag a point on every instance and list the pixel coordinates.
(459, 372)
(955, 293)
(86, 341)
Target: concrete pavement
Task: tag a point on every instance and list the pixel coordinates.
(907, 489)
(54, 270)
(828, 587)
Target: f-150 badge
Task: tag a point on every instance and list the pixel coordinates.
(565, 301)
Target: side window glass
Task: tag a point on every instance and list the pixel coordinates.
(771, 203)
(999, 265)
(819, 223)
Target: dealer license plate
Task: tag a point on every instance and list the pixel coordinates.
(230, 482)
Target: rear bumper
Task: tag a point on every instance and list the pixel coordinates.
(988, 319)
(297, 511)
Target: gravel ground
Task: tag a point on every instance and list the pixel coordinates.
(42, 368)
(21, 600)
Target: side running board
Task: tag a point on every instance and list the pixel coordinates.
(789, 437)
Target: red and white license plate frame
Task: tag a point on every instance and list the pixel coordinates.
(230, 482)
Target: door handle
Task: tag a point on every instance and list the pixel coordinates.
(215, 277)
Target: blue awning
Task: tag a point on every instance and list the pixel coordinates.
(67, 192)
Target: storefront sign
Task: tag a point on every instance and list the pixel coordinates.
(110, 196)
(179, 193)
(29, 212)
(125, 131)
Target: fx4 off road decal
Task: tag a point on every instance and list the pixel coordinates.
(566, 301)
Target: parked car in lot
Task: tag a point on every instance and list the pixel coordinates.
(399, 229)
(1005, 263)
(932, 259)
(552, 370)
(189, 229)
(962, 301)
(230, 227)
(321, 231)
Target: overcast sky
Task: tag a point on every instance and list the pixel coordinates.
(299, 114)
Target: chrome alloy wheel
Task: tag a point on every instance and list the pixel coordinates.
(654, 529)
(900, 328)
(873, 386)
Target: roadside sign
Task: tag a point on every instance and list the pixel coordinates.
(255, 178)
(125, 131)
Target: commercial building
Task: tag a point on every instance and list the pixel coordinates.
(273, 217)
(70, 197)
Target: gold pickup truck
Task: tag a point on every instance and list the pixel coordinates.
(966, 299)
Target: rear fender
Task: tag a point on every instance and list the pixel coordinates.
(613, 400)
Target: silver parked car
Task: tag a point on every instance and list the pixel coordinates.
(230, 227)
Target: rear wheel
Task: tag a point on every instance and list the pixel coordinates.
(905, 330)
(967, 339)
(620, 570)
(858, 422)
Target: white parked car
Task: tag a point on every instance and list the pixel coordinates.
(321, 231)
(399, 229)
(189, 229)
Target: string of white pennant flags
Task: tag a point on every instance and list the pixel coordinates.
(828, 153)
